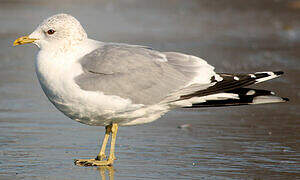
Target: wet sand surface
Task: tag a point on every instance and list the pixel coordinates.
(249, 142)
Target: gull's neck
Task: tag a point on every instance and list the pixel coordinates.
(53, 63)
(62, 52)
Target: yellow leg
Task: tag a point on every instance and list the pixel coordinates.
(113, 129)
(101, 154)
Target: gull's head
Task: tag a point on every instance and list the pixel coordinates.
(58, 31)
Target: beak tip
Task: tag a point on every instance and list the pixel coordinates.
(15, 43)
(23, 40)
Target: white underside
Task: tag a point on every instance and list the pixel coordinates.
(56, 72)
(56, 75)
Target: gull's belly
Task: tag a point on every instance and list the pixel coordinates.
(97, 109)
(56, 76)
(92, 107)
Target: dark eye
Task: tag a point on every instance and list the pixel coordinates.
(50, 31)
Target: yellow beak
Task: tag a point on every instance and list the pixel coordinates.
(23, 40)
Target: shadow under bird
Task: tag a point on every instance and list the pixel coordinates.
(114, 84)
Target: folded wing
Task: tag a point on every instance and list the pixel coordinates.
(143, 75)
(148, 77)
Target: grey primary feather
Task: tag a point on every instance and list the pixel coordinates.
(140, 74)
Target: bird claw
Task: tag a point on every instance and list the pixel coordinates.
(92, 162)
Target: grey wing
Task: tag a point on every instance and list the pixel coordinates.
(142, 75)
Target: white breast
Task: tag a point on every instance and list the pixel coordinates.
(56, 72)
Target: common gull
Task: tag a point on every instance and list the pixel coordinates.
(113, 84)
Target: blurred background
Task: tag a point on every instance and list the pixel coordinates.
(249, 142)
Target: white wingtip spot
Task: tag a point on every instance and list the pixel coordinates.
(252, 75)
(273, 93)
(271, 73)
(271, 76)
(266, 72)
(218, 77)
(250, 92)
(266, 99)
(236, 78)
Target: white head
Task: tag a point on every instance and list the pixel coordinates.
(58, 31)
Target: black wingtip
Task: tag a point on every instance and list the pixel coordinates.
(278, 73)
(286, 99)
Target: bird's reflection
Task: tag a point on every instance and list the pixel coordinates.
(106, 170)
